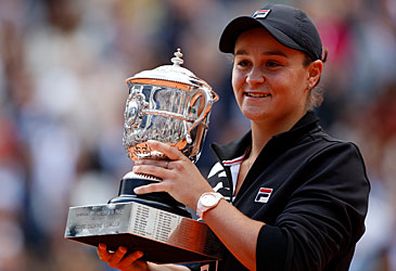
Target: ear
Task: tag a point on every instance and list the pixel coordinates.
(314, 72)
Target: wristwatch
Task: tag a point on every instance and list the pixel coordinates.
(207, 201)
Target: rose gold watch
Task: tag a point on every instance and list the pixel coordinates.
(208, 201)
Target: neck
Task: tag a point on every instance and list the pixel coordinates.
(263, 131)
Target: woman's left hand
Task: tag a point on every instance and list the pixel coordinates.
(180, 177)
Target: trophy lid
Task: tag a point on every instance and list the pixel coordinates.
(174, 76)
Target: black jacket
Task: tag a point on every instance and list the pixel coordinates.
(310, 189)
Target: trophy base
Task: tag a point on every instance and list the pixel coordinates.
(164, 237)
(160, 200)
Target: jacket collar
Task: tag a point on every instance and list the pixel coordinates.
(309, 122)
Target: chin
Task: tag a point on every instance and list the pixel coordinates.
(256, 116)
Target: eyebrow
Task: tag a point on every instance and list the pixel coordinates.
(271, 52)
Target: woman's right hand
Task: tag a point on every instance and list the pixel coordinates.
(120, 260)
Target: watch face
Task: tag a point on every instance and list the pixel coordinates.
(209, 200)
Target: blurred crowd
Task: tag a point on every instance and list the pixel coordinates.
(63, 65)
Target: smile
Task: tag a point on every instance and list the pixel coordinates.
(257, 95)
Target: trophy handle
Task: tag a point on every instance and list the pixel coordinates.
(210, 97)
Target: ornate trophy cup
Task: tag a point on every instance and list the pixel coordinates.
(169, 104)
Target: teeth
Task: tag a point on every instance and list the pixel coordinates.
(257, 95)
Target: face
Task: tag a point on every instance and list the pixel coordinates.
(270, 80)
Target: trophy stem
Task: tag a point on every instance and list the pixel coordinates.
(160, 200)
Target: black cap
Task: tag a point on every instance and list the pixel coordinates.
(288, 25)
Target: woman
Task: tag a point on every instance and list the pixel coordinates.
(291, 197)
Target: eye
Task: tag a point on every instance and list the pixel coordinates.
(243, 63)
(272, 64)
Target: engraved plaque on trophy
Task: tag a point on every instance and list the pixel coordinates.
(169, 104)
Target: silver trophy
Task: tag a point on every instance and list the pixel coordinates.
(169, 104)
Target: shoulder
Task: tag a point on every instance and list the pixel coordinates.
(325, 161)
(326, 146)
(337, 167)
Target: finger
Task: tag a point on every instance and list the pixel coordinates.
(131, 258)
(117, 256)
(169, 151)
(103, 254)
(150, 188)
(153, 162)
(156, 171)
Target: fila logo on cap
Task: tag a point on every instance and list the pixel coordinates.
(261, 14)
(263, 195)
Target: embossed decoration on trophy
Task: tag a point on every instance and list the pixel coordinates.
(169, 104)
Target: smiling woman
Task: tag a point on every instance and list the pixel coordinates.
(270, 80)
(286, 196)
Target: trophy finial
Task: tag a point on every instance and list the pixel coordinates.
(177, 60)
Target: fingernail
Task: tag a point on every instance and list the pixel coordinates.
(102, 246)
(122, 249)
(139, 254)
(136, 190)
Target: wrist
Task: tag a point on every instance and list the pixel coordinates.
(207, 201)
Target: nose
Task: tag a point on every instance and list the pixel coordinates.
(255, 76)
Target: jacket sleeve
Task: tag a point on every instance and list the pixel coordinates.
(324, 217)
